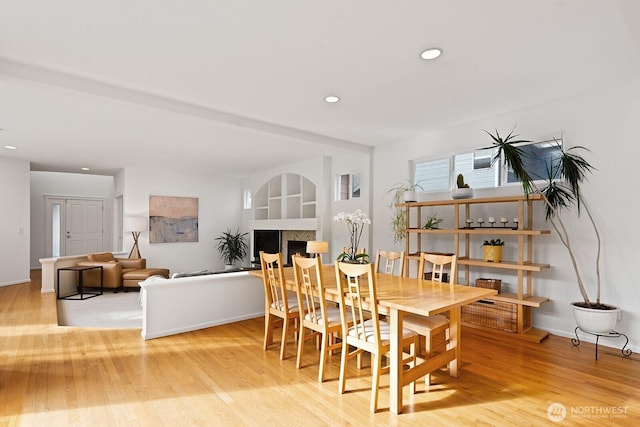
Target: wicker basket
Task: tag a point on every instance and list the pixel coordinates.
(491, 314)
(489, 283)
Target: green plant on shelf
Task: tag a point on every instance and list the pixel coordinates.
(432, 222)
(493, 242)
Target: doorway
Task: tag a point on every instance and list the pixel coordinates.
(73, 226)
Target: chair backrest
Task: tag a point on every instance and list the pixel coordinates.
(356, 281)
(390, 260)
(438, 262)
(310, 287)
(275, 290)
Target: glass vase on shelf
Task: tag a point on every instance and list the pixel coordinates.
(355, 224)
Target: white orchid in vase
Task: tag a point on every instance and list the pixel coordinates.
(355, 223)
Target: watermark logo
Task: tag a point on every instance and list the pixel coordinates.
(556, 412)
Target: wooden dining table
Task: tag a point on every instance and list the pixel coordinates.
(399, 296)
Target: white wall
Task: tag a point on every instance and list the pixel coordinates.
(607, 123)
(14, 221)
(71, 185)
(219, 205)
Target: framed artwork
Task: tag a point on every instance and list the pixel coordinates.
(173, 219)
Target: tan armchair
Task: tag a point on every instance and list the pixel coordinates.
(113, 269)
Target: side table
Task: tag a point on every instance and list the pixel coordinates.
(79, 269)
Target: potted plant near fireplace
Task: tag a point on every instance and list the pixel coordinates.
(562, 190)
(233, 247)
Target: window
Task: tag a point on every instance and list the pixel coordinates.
(480, 171)
(348, 186)
(433, 175)
(247, 199)
(537, 157)
(355, 185)
(342, 187)
(482, 158)
(477, 169)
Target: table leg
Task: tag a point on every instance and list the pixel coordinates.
(454, 339)
(395, 371)
(81, 283)
(101, 280)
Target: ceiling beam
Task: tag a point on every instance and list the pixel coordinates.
(95, 87)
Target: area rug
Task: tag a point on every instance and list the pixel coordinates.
(110, 310)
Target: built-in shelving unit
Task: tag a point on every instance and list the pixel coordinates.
(286, 196)
(523, 266)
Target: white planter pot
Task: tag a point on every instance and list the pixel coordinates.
(410, 196)
(462, 193)
(596, 321)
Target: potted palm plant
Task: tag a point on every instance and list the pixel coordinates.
(233, 247)
(401, 193)
(562, 190)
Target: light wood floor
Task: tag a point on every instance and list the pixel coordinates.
(51, 375)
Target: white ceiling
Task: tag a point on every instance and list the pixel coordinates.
(233, 86)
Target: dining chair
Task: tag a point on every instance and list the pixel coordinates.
(357, 295)
(434, 329)
(279, 304)
(390, 260)
(322, 319)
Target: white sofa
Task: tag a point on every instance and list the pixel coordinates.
(182, 304)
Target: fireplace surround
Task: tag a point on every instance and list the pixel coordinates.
(279, 241)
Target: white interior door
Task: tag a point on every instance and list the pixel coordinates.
(84, 226)
(74, 226)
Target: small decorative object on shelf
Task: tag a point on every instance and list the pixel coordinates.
(480, 221)
(355, 223)
(493, 250)
(489, 283)
(503, 221)
(469, 221)
(462, 190)
(432, 222)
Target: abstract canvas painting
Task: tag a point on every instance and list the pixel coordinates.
(173, 219)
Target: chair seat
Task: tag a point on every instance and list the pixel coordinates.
(333, 317)
(425, 323)
(385, 331)
(293, 305)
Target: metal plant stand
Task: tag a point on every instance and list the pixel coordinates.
(626, 352)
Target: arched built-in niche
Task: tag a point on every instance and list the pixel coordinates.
(286, 196)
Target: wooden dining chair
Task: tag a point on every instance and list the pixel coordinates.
(434, 329)
(323, 320)
(357, 291)
(389, 261)
(278, 303)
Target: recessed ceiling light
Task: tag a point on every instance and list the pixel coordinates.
(10, 147)
(431, 53)
(332, 99)
(85, 169)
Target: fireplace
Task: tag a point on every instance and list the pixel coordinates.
(272, 241)
(267, 241)
(295, 247)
